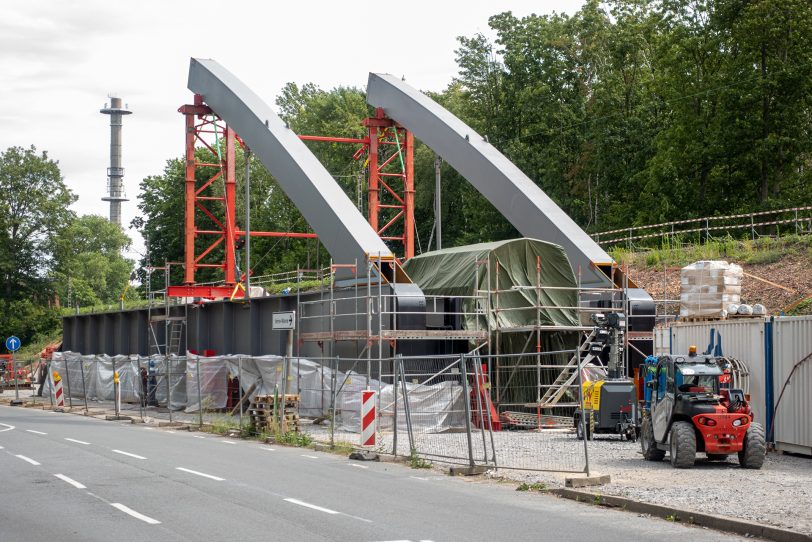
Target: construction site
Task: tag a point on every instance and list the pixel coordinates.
(538, 359)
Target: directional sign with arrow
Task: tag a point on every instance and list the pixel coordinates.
(284, 320)
(13, 344)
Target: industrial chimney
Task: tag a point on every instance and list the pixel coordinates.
(115, 173)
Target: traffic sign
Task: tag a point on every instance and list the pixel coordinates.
(284, 320)
(13, 344)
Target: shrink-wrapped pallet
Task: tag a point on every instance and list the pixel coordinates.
(707, 288)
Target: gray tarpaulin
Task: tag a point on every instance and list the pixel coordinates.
(434, 408)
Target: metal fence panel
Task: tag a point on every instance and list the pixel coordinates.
(792, 343)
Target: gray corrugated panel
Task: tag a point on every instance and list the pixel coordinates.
(792, 342)
(340, 226)
(513, 194)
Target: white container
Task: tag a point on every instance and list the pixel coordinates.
(742, 339)
(792, 341)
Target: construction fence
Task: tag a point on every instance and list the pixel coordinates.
(438, 409)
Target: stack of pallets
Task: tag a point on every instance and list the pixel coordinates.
(262, 413)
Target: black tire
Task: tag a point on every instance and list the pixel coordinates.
(717, 457)
(755, 448)
(683, 445)
(647, 442)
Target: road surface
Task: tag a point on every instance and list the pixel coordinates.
(68, 477)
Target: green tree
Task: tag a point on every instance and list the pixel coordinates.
(33, 208)
(89, 268)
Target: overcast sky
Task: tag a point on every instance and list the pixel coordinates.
(60, 60)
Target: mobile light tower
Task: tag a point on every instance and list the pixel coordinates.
(115, 173)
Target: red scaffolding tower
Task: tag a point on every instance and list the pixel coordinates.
(389, 153)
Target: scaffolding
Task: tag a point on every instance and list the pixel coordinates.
(171, 340)
(370, 318)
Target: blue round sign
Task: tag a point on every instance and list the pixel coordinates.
(13, 344)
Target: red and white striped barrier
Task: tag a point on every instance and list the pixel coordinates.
(368, 417)
(59, 397)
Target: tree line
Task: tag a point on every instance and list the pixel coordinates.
(49, 256)
(628, 112)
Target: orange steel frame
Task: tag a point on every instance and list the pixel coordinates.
(387, 144)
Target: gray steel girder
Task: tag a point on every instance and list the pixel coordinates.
(340, 226)
(512, 192)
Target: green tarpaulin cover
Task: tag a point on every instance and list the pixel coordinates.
(512, 264)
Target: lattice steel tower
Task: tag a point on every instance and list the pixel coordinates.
(115, 173)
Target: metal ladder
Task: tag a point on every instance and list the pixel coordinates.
(568, 374)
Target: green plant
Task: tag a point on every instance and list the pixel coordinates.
(292, 438)
(765, 257)
(417, 462)
(342, 448)
(537, 486)
(224, 424)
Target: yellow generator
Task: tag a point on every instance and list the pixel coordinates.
(609, 407)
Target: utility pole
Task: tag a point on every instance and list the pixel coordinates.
(438, 201)
(247, 224)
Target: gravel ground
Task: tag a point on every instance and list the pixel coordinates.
(779, 494)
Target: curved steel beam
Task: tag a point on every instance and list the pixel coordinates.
(512, 192)
(342, 229)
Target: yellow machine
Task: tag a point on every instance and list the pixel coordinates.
(609, 407)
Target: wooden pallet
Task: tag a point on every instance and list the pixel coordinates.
(261, 412)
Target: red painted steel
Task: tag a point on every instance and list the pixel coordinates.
(390, 152)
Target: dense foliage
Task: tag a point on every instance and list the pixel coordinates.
(627, 112)
(48, 256)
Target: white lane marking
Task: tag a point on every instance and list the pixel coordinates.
(129, 454)
(35, 432)
(71, 481)
(267, 449)
(28, 459)
(419, 478)
(357, 466)
(150, 428)
(310, 456)
(7, 427)
(228, 442)
(77, 441)
(198, 436)
(203, 474)
(312, 506)
(171, 431)
(1, 447)
(134, 514)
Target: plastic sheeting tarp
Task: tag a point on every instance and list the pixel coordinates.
(435, 407)
(513, 265)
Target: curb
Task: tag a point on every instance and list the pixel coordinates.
(688, 517)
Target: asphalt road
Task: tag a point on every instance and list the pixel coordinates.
(67, 477)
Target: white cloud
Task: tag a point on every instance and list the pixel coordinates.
(61, 59)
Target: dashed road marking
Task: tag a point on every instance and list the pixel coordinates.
(129, 454)
(310, 456)
(357, 466)
(198, 436)
(77, 441)
(312, 506)
(228, 442)
(134, 514)
(35, 432)
(28, 459)
(198, 473)
(71, 481)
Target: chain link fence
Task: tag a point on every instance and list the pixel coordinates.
(440, 409)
